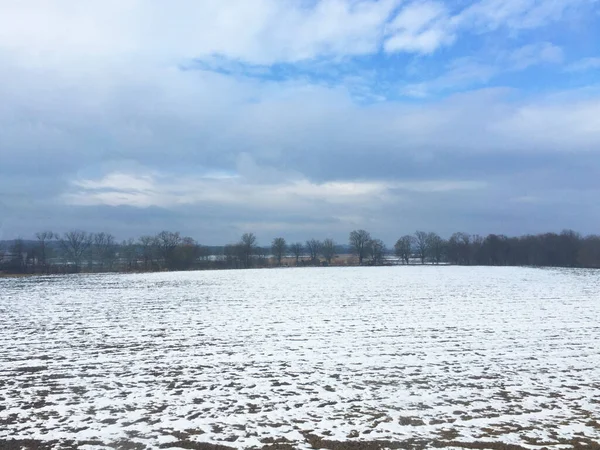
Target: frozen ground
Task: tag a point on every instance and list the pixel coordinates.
(407, 355)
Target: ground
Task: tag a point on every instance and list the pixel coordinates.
(352, 358)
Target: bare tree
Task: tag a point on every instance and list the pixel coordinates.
(495, 250)
(261, 256)
(476, 249)
(18, 256)
(422, 245)
(403, 248)
(328, 250)
(376, 251)
(313, 247)
(359, 241)
(128, 252)
(436, 247)
(232, 253)
(148, 249)
(105, 249)
(297, 250)
(459, 248)
(279, 247)
(166, 244)
(44, 237)
(248, 247)
(75, 243)
(187, 253)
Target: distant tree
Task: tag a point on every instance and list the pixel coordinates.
(589, 252)
(105, 249)
(403, 248)
(297, 250)
(459, 249)
(477, 250)
(75, 244)
(376, 251)
(128, 253)
(169, 250)
(18, 256)
(148, 247)
(241, 255)
(248, 246)
(262, 254)
(43, 249)
(186, 254)
(279, 248)
(313, 247)
(232, 255)
(166, 244)
(569, 244)
(90, 254)
(359, 240)
(31, 258)
(495, 250)
(422, 245)
(436, 247)
(328, 250)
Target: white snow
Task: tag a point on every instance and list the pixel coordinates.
(506, 355)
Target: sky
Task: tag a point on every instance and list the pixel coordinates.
(299, 118)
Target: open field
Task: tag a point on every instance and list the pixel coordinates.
(339, 358)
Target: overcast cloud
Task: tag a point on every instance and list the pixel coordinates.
(299, 118)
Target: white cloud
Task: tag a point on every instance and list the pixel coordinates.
(156, 189)
(83, 83)
(101, 32)
(460, 74)
(584, 64)
(466, 73)
(420, 27)
(533, 54)
(261, 31)
(487, 15)
(571, 127)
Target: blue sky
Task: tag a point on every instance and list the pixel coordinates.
(299, 118)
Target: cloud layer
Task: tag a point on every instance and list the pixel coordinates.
(298, 117)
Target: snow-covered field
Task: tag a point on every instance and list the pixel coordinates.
(241, 358)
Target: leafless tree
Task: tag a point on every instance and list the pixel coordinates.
(18, 256)
(297, 250)
(476, 249)
(359, 241)
(278, 247)
(187, 253)
(44, 237)
(75, 244)
(261, 256)
(436, 246)
(403, 248)
(166, 244)
(128, 252)
(148, 246)
(328, 250)
(105, 249)
(459, 248)
(422, 245)
(313, 247)
(248, 248)
(231, 253)
(376, 251)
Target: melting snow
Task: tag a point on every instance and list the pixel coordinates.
(237, 357)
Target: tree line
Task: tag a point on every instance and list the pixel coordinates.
(79, 251)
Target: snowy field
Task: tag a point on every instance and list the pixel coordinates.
(412, 356)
